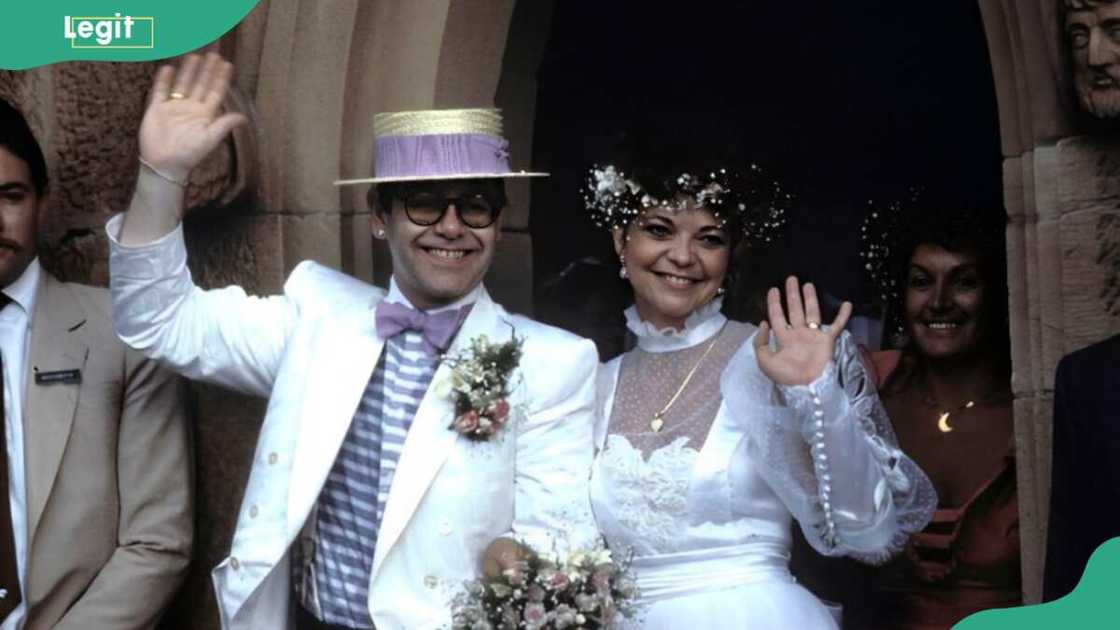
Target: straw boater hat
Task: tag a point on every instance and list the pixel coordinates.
(439, 144)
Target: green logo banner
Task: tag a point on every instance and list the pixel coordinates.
(1092, 604)
(41, 33)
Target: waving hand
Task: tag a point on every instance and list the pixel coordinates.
(804, 345)
(183, 121)
(182, 124)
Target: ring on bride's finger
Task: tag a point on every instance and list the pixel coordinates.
(814, 325)
(824, 328)
(176, 95)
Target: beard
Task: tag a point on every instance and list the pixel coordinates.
(1101, 103)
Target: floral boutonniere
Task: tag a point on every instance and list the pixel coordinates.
(480, 385)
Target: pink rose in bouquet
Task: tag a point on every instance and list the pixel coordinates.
(467, 422)
(535, 613)
(498, 412)
(584, 590)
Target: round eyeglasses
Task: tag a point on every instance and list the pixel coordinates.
(427, 209)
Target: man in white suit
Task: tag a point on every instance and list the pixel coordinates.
(364, 507)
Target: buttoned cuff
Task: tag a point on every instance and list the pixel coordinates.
(820, 405)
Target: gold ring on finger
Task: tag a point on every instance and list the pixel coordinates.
(176, 95)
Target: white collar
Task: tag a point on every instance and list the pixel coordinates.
(395, 295)
(700, 326)
(24, 290)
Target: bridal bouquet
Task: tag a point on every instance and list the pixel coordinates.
(583, 591)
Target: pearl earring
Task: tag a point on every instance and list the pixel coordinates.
(622, 267)
(379, 234)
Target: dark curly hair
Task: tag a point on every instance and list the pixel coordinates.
(979, 230)
(749, 205)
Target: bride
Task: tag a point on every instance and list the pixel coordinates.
(714, 434)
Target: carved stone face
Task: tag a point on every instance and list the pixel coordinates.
(1093, 33)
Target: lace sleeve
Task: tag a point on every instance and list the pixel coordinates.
(829, 452)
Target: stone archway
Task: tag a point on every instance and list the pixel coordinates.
(310, 74)
(1059, 190)
(318, 71)
(313, 72)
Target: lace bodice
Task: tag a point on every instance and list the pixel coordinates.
(751, 457)
(649, 379)
(650, 494)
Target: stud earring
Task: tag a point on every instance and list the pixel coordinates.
(379, 234)
(622, 267)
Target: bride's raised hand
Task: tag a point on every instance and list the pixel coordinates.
(804, 345)
(183, 121)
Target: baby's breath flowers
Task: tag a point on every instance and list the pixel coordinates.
(480, 385)
(584, 591)
(760, 204)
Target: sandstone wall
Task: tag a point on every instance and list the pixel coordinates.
(1060, 191)
(310, 74)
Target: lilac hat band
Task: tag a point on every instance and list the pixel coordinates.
(439, 144)
(440, 156)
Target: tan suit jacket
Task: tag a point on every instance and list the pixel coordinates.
(109, 472)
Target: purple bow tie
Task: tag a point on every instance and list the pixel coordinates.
(436, 328)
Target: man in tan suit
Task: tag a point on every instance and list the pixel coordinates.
(95, 449)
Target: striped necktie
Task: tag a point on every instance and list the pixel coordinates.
(352, 502)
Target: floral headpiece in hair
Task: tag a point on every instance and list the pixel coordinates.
(879, 236)
(614, 200)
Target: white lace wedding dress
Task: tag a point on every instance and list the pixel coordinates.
(705, 504)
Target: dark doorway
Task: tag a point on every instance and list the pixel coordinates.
(843, 102)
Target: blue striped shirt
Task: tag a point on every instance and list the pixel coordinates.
(352, 502)
(333, 575)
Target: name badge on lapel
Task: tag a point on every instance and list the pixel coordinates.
(55, 377)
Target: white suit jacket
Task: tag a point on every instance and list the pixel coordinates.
(311, 351)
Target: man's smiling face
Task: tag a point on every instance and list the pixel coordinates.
(439, 263)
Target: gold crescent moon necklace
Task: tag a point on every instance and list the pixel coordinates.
(943, 419)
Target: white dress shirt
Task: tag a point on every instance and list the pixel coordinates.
(396, 295)
(15, 335)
